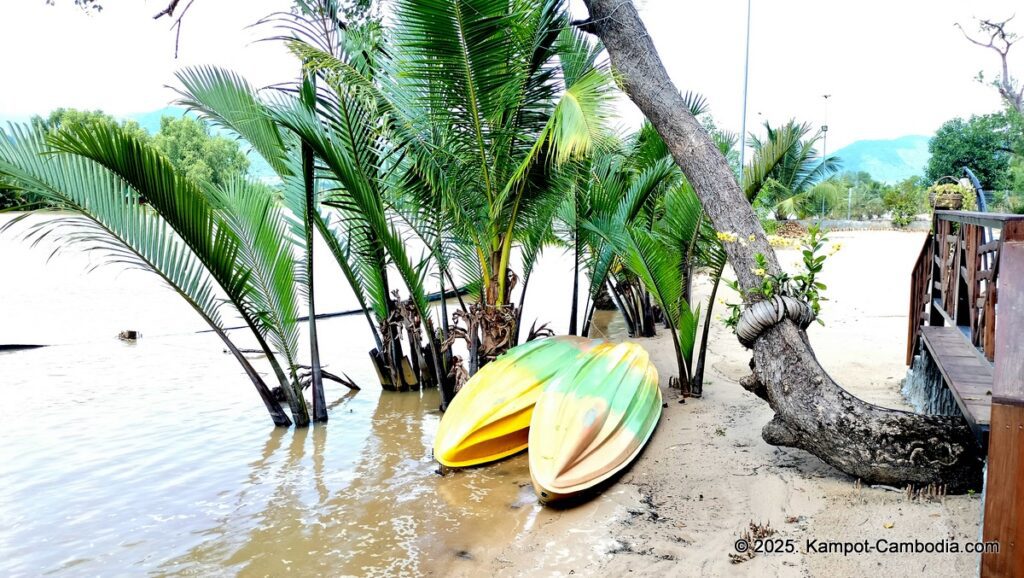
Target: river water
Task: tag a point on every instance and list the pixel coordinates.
(157, 457)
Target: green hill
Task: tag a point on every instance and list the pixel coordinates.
(889, 161)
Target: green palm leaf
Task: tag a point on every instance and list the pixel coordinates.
(187, 207)
(119, 226)
(266, 249)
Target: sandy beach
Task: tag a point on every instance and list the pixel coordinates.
(707, 474)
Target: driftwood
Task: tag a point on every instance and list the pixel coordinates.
(19, 346)
(812, 412)
(305, 378)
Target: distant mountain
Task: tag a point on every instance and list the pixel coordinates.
(888, 161)
(151, 120)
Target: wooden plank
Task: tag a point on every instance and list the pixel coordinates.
(938, 309)
(919, 296)
(1004, 492)
(995, 220)
(966, 373)
(988, 247)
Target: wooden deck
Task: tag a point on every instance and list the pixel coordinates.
(969, 262)
(968, 375)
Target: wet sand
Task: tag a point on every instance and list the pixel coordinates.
(707, 474)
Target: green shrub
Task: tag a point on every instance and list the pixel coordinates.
(903, 202)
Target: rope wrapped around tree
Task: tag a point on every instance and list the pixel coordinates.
(762, 315)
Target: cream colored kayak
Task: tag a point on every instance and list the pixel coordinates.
(593, 420)
(489, 418)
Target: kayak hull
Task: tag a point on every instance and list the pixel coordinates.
(490, 417)
(593, 420)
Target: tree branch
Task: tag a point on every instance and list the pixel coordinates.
(168, 11)
(996, 30)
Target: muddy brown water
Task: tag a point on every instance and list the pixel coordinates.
(156, 457)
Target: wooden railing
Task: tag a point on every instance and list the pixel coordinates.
(955, 279)
(970, 275)
(920, 295)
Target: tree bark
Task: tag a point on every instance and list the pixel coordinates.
(813, 413)
(575, 286)
(319, 401)
(702, 354)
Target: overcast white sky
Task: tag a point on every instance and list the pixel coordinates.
(893, 67)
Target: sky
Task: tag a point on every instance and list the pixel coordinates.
(892, 67)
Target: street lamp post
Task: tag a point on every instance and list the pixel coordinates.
(746, 76)
(824, 130)
(824, 144)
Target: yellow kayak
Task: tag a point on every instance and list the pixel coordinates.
(593, 420)
(490, 417)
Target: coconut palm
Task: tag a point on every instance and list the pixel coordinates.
(484, 97)
(785, 189)
(113, 223)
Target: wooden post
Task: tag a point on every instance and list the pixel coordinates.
(1004, 493)
(936, 294)
(964, 264)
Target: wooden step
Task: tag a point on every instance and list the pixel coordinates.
(968, 375)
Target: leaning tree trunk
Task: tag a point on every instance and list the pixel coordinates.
(812, 412)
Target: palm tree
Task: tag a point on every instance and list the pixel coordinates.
(613, 198)
(339, 130)
(772, 159)
(660, 253)
(649, 227)
(785, 189)
(115, 224)
(483, 98)
(189, 207)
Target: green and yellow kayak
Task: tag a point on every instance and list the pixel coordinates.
(490, 417)
(593, 420)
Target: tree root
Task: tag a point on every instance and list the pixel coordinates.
(876, 444)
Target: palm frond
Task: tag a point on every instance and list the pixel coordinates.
(116, 226)
(187, 207)
(266, 248)
(113, 211)
(229, 101)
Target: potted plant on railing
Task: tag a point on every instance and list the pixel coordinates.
(952, 195)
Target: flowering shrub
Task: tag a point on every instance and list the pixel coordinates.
(783, 242)
(803, 286)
